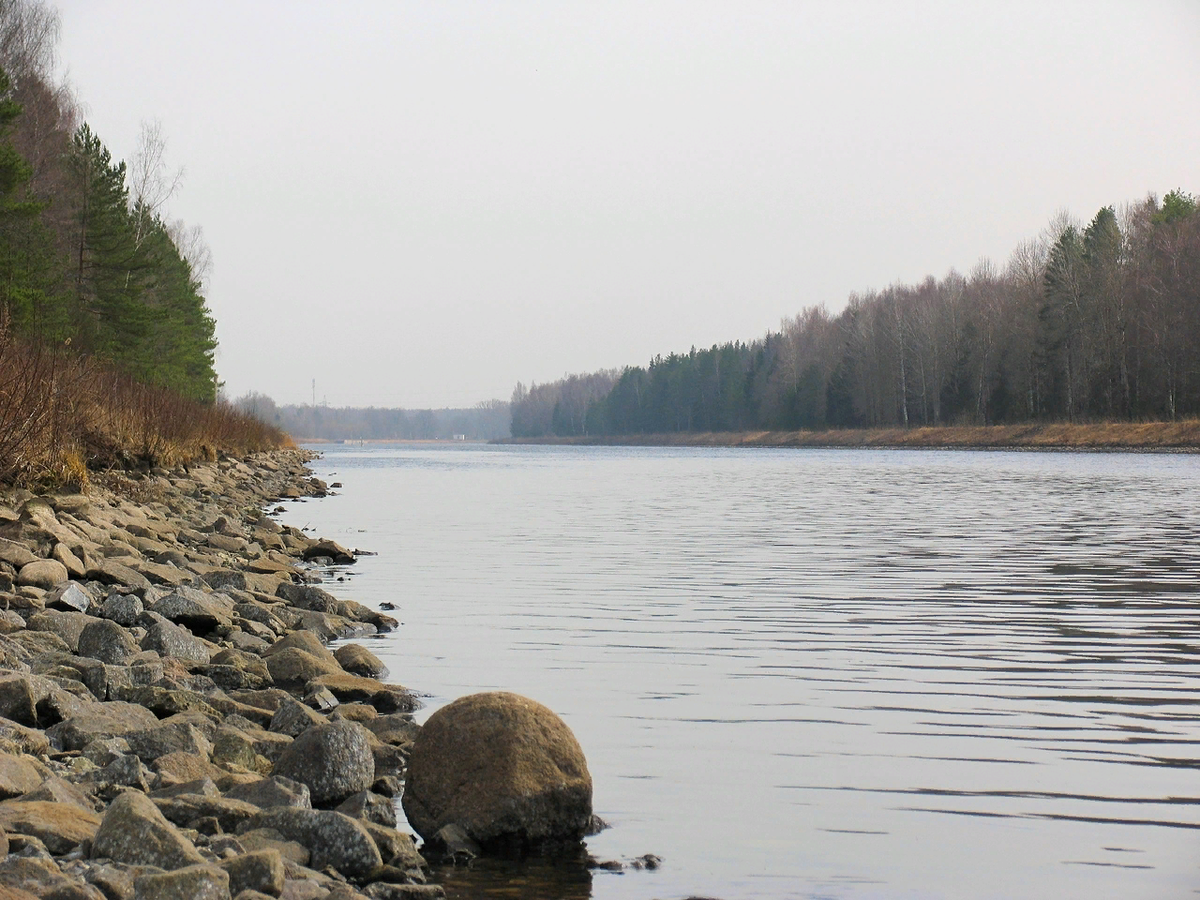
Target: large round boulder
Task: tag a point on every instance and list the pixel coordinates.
(503, 768)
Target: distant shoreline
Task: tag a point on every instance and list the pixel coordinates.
(363, 441)
(1180, 437)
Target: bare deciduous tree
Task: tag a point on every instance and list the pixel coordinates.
(151, 183)
(189, 240)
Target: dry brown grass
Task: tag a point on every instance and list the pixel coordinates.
(63, 416)
(1183, 435)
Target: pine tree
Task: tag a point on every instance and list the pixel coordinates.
(28, 264)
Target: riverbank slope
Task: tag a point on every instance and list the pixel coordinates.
(171, 723)
(1176, 436)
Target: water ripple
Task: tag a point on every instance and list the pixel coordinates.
(762, 651)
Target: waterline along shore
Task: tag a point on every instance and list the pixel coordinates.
(1181, 436)
(171, 721)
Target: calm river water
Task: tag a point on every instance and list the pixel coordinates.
(817, 674)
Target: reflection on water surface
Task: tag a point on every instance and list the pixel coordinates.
(807, 673)
(533, 878)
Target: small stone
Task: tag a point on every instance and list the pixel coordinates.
(73, 564)
(358, 660)
(321, 699)
(185, 810)
(293, 718)
(18, 775)
(43, 573)
(108, 571)
(100, 720)
(371, 807)
(383, 891)
(335, 551)
(171, 640)
(67, 625)
(357, 712)
(126, 770)
(200, 613)
(16, 555)
(61, 827)
(68, 596)
(274, 791)
(19, 698)
(260, 870)
(174, 737)
(303, 640)
(331, 838)
(295, 668)
(124, 609)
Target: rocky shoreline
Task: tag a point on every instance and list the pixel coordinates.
(171, 721)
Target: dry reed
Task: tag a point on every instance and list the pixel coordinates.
(63, 415)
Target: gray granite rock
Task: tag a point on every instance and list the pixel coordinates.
(134, 831)
(108, 642)
(333, 760)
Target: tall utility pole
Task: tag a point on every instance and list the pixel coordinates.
(314, 393)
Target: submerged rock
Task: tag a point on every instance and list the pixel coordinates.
(504, 768)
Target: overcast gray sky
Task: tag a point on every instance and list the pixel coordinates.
(418, 204)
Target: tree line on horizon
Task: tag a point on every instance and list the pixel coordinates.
(485, 421)
(1084, 323)
(88, 257)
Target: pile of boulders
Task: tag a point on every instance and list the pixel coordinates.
(172, 723)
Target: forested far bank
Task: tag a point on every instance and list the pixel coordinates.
(485, 421)
(1180, 436)
(1086, 322)
(89, 257)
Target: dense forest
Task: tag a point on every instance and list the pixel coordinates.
(88, 257)
(485, 421)
(1095, 322)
